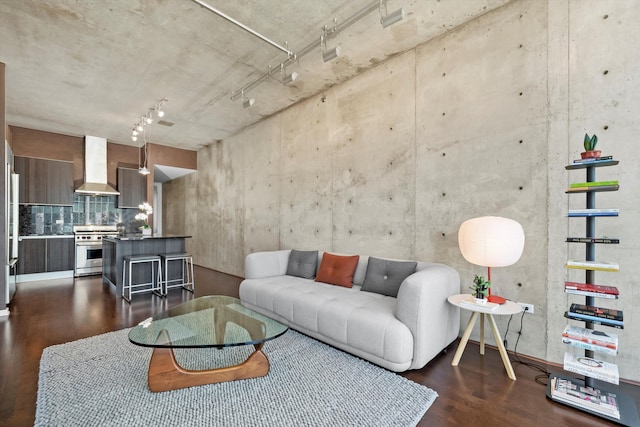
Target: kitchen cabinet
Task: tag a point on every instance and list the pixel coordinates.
(46, 255)
(132, 187)
(60, 254)
(32, 256)
(44, 182)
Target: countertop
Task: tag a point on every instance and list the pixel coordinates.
(46, 236)
(130, 237)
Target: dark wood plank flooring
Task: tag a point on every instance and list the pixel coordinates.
(476, 393)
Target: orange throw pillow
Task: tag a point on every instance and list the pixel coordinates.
(337, 270)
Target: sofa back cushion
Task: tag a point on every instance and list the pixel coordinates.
(302, 264)
(337, 270)
(385, 276)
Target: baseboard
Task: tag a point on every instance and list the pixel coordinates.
(36, 277)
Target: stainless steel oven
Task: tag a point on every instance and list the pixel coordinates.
(88, 240)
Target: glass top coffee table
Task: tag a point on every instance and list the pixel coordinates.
(202, 323)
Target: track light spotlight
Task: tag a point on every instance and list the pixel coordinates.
(289, 78)
(148, 118)
(158, 107)
(144, 171)
(134, 132)
(134, 138)
(139, 127)
(392, 18)
(248, 102)
(330, 54)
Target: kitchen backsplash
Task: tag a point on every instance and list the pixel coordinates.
(47, 219)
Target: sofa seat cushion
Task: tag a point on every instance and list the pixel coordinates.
(361, 320)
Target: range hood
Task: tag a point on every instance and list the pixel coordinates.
(95, 168)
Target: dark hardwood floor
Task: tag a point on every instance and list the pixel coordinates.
(476, 393)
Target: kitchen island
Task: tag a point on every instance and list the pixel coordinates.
(114, 249)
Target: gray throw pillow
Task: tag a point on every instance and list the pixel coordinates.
(385, 276)
(302, 264)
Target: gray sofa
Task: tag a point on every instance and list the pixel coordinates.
(397, 333)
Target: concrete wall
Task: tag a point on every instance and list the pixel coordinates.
(480, 121)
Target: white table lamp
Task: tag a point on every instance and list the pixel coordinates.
(491, 241)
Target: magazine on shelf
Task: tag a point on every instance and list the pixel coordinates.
(593, 184)
(603, 313)
(594, 159)
(593, 212)
(590, 294)
(592, 240)
(594, 320)
(593, 265)
(593, 188)
(590, 398)
(590, 287)
(589, 339)
(586, 346)
(594, 368)
(599, 338)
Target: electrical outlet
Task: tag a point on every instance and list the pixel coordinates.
(528, 308)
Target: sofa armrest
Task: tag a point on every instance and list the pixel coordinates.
(266, 264)
(422, 305)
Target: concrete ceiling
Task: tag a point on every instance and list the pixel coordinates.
(93, 67)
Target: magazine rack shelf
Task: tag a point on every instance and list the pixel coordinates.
(625, 403)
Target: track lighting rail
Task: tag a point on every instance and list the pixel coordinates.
(251, 31)
(328, 33)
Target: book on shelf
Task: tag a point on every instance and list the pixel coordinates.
(593, 265)
(596, 188)
(593, 184)
(600, 341)
(586, 346)
(590, 294)
(594, 159)
(590, 367)
(590, 287)
(593, 399)
(592, 240)
(593, 319)
(593, 212)
(603, 313)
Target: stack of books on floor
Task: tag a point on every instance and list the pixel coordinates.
(591, 290)
(590, 367)
(589, 339)
(598, 315)
(589, 398)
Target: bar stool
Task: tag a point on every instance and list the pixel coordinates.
(186, 273)
(128, 286)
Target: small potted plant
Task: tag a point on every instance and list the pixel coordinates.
(480, 289)
(145, 211)
(590, 143)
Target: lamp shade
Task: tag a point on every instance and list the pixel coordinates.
(491, 241)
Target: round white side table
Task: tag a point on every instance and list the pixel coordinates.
(467, 302)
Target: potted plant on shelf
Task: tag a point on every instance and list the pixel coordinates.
(590, 143)
(145, 211)
(480, 289)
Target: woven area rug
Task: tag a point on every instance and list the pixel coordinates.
(102, 380)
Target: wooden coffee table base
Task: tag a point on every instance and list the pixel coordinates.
(166, 374)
